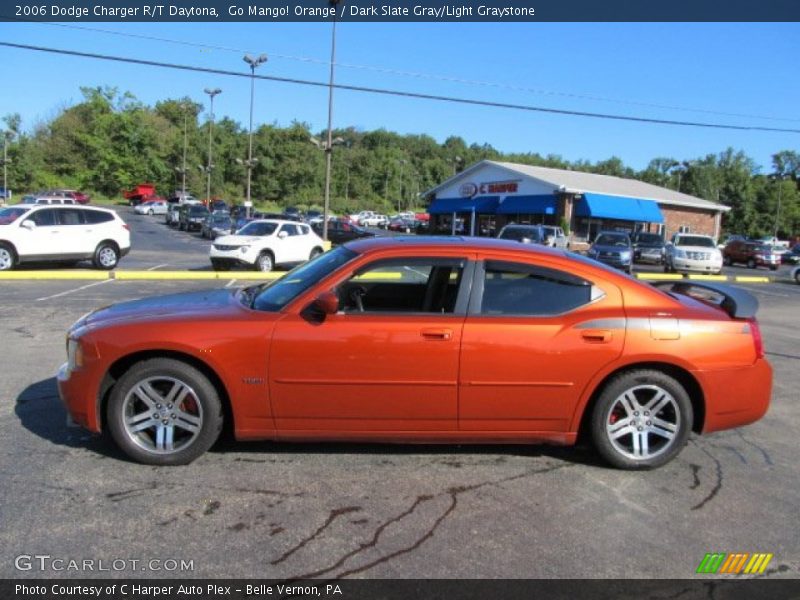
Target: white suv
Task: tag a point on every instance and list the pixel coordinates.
(31, 233)
(265, 243)
(692, 252)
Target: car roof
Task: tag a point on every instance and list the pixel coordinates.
(277, 221)
(431, 242)
(67, 206)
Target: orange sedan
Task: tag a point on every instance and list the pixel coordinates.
(424, 340)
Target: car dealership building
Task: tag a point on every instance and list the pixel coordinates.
(483, 198)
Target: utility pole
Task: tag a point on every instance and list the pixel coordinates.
(211, 93)
(250, 162)
(329, 145)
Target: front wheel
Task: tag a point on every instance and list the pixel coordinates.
(150, 212)
(641, 420)
(164, 412)
(106, 256)
(751, 264)
(264, 262)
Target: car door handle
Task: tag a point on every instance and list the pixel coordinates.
(437, 334)
(597, 336)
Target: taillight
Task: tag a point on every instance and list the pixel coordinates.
(758, 341)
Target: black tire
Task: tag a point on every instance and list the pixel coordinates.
(773, 267)
(202, 404)
(8, 257)
(667, 268)
(106, 256)
(150, 212)
(611, 417)
(751, 264)
(220, 265)
(265, 262)
(315, 253)
(726, 260)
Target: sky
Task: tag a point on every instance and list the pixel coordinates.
(741, 74)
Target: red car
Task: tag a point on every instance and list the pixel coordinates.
(424, 340)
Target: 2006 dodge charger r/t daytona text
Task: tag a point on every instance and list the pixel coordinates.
(424, 340)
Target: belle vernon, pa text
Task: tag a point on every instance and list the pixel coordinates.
(155, 591)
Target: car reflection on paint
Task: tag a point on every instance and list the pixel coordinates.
(415, 339)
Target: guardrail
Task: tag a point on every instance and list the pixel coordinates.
(259, 276)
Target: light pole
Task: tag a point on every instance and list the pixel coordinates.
(778, 209)
(456, 161)
(254, 62)
(329, 145)
(7, 134)
(211, 93)
(402, 162)
(182, 170)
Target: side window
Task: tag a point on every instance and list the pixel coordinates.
(519, 289)
(304, 229)
(70, 216)
(408, 285)
(44, 218)
(289, 229)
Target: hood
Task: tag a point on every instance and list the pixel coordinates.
(709, 249)
(238, 240)
(602, 248)
(219, 302)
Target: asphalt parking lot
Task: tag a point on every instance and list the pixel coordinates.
(354, 510)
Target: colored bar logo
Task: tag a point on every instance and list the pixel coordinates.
(736, 563)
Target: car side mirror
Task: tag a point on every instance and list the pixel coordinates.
(327, 302)
(29, 224)
(282, 235)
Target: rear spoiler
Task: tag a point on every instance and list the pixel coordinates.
(738, 303)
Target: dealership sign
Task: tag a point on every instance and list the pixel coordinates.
(468, 190)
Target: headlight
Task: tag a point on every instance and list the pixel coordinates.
(74, 354)
(625, 255)
(680, 253)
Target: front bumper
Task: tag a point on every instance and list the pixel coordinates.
(235, 256)
(655, 257)
(699, 266)
(77, 390)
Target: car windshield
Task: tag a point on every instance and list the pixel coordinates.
(613, 239)
(764, 249)
(282, 291)
(650, 239)
(197, 209)
(695, 240)
(258, 228)
(518, 233)
(11, 214)
(222, 220)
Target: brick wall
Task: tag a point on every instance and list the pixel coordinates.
(699, 221)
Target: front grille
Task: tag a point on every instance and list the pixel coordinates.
(222, 248)
(698, 255)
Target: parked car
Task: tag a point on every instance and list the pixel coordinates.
(454, 337)
(792, 257)
(191, 217)
(263, 244)
(402, 224)
(216, 205)
(692, 252)
(341, 231)
(554, 236)
(374, 220)
(151, 207)
(172, 216)
(752, 254)
(216, 224)
(36, 233)
(314, 216)
(614, 249)
(79, 197)
(364, 214)
(648, 248)
(771, 240)
(527, 234)
(732, 237)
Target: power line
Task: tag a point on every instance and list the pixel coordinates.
(400, 93)
(419, 75)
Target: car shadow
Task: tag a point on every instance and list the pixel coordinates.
(41, 412)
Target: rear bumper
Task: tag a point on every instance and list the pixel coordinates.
(736, 397)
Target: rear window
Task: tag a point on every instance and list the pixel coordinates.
(97, 216)
(197, 210)
(519, 233)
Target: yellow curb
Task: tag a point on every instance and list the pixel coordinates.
(709, 277)
(746, 279)
(249, 275)
(662, 276)
(145, 275)
(326, 245)
(17, 275)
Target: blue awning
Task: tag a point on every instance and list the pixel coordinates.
(480, 204)
(528, 205)
(618, 207)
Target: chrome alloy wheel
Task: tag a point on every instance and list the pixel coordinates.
(162, 414)
(643, 421)
(107, 257)
(6, 259)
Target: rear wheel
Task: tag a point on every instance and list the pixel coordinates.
(751, 264)
(264, 262)
(8, 257)
(315, 253)
(641, 420)
(106, 256)
(726, 260)
(164, 412)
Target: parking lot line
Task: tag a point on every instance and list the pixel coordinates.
(157, 267)
(78, 289)
(230, 283)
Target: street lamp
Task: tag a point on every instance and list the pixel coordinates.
(254, 62)
(779, 179)
(329, 145)
(182, 170)
(7, 135)
(457, 160)
(209, 166)
(402, 163)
